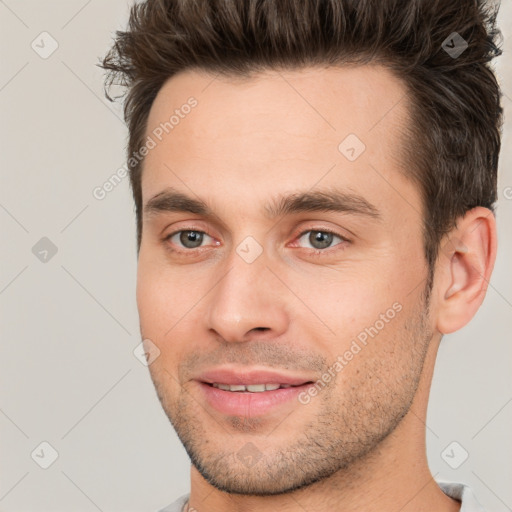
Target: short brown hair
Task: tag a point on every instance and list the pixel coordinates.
(455, 115)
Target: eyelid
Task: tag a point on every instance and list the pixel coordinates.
(311, 250)
(166, 239)
(319, 229)
(327, 250)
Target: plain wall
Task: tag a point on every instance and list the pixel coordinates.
(69, 325)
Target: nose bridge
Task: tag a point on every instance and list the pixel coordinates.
(245, 298)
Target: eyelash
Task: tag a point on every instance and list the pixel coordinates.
(328, 250)
(312, 252)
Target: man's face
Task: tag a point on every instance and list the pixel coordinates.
(236, 292)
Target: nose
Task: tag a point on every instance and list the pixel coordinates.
(248, 302)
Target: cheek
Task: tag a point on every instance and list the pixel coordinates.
(383, 355)
(161, 298)
(358, 312)
(345, 300)
(168, 303)
(162, 313)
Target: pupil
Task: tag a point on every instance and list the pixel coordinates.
(191, 239)
(320, 240)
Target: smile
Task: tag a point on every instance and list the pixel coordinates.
(251, 388)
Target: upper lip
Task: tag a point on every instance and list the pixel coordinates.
(249, 376)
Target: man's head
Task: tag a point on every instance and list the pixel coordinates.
(453, 141)
(320, 207)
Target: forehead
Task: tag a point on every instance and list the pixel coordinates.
(275, 129)
(328, 101)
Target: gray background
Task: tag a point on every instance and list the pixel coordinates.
(69, 325)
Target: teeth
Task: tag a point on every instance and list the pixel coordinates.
(255, 388)
(252, 388)
(237, 387)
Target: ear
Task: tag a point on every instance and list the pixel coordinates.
(464, 267)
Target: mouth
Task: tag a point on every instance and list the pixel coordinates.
(252, 388)
(251, 393)
(251, 378)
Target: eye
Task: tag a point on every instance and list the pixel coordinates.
(321, 239)
(187, 238)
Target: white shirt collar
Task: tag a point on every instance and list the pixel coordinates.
(462, 493)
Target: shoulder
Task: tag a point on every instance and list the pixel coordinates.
(176, 506)
(463, 493)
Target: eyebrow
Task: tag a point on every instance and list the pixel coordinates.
(329, 200)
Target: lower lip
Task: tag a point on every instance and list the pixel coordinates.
(245, 403)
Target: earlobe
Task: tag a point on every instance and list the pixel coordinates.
(465, 264)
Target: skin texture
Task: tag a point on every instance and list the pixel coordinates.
(360, 442)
